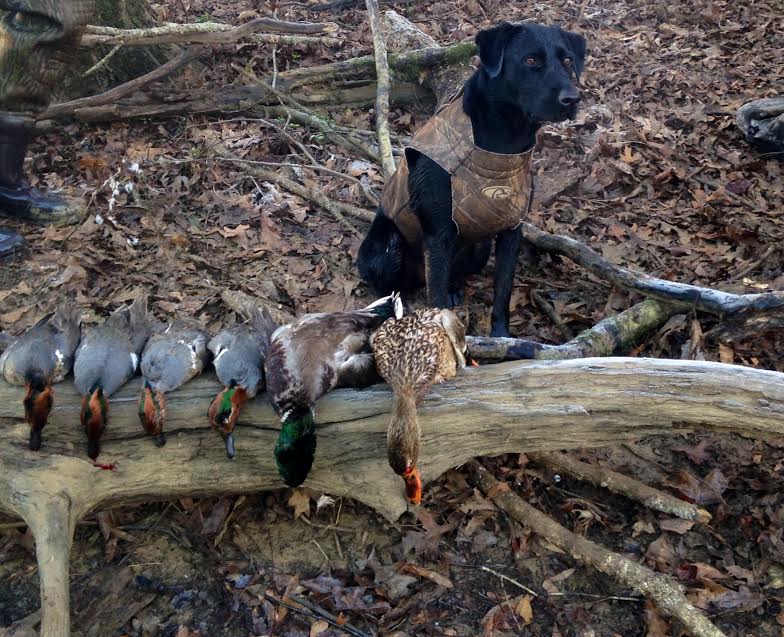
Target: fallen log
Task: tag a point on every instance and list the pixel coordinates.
(760, 310)
(495, 409)
(351, 82)
(613, 335)
(197, 33)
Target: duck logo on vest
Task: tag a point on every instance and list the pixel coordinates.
(497, 192)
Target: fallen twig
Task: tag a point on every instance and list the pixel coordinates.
(549, 310)
(506, 578)
(336, 208)
(295, 109)
(200, 32)
(755, 263)
(624, 485)
(663, 590)
(118, 92)
(382, 89)
(691, 296)
(316, 612)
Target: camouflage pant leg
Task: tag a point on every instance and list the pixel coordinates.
(38, 39)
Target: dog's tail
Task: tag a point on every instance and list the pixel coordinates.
(380, 258)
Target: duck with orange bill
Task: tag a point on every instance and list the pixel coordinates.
(107, 358)
(38, 358)
(412, 353)
(170, 359)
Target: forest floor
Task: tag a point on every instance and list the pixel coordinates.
(662, 182)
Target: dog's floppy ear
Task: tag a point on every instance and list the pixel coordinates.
(576, 43)
(492, 42)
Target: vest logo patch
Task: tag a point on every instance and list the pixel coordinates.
(497, 192)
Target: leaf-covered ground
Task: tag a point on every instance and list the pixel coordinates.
(655, 176)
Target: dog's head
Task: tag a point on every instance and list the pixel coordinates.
(534, 68)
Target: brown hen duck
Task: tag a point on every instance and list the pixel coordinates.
(412, 353)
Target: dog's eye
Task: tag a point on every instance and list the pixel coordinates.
(567, 61)
(531, 61)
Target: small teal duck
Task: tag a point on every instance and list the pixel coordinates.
(411, 354)
(238, 355)
(40, 357)
(309, 358)
(170, 359)
(107, 358)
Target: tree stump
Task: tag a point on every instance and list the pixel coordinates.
(495, 409)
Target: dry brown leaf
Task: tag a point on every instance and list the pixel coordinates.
(706, 491)
(642, 526)
(433, 576)
(676, 525)
(524, 609)
(318, 627)
(234, 232)
(300, 501)
(657, 626)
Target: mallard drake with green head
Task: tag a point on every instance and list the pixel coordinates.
(238, 355)
(107, 358)
(309, 358)
(38, 358)
(411, 354)
(170, 359)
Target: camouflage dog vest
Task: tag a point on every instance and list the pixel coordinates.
(490, 192)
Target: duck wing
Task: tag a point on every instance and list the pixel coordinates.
(173, 358)
(238, 358)
(105, 357)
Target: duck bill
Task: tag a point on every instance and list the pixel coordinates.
(228, 439)
(413, 485)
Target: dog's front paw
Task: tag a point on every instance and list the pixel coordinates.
(456, 298)
(500, 331)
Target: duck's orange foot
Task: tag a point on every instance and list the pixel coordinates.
(413, 485)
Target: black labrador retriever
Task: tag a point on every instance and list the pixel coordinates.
(527, 78)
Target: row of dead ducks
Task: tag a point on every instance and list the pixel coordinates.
(298, 363)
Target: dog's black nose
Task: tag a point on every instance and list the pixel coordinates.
(569, 96)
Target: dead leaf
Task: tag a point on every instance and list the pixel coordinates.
(318, 627)
(642, 526)
(657, 625)
(676, 525)
(214, 522)
(706, 491)
(697, 454)
(524, 609)
(300, 501)
(234, 232)
(433, 576)
(726, 354)
(661, 554)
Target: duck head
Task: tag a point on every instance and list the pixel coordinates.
(225, 412)
(296, 445)
(403, 444)
(95, 409)
(456, 333)
(37, 404)
(152, 413)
